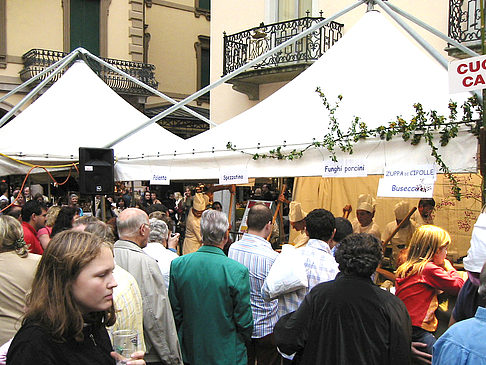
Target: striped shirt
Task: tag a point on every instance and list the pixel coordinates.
(128, 305)
(320, 266)
(257, 255)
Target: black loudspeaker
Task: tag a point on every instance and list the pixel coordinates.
(96, 171)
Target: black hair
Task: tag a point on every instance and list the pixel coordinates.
(64, 220)
(258, 216)
(217, 204)
(426, 202)
(32, 207)
(320, 224)
(156, 207)
(359, 254)
(3, 188)
(343, 229)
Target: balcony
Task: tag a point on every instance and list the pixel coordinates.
(464, 26)
(243, 47)
(36, 60)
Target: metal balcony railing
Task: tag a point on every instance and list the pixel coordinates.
(242, 47)
(36, 60)
(465, 20)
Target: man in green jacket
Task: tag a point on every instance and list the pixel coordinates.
(210, 298)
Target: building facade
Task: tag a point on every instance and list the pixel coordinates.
(163, 43)
(262, 24)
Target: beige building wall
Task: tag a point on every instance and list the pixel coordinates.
(234, 16)
(33, 24)
(174, 27)
(29, 24)
(174, 30)
(230, 16)
(118, 30)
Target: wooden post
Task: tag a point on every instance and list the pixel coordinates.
(389, 275)
(279, 204)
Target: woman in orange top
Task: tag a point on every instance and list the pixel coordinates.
(422, 276)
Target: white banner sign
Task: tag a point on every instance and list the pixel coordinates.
(405, 188)
(159, 179)
(345, 168)
(467, 74)
(233, 176)
(417, 171)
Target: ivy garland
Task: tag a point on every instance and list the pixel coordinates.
(422, 125)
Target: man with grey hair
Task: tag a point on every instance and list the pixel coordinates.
(158, 324)
(463, 343)
(212, 330)
(161, 247)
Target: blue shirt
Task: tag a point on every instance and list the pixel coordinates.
(463, 343)
(257, 255)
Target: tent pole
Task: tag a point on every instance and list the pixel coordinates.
(433, 52)
(234, 73)
(37, 88)
(32, 79)
(151, 89)
(432, 30)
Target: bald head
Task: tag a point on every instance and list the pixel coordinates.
(259, 220)
(133, 225)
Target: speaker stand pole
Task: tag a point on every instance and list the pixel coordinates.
(93, 205)
(132, 193)
(103, 208)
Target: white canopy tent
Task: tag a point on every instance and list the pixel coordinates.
(79, 110)
(379, 72)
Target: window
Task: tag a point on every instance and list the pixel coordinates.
(293, 9)
(204, 4)
(203, 65)
(85, 25)
(202, 7)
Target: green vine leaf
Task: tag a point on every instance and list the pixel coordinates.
(422, 126)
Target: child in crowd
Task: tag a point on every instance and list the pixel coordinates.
(419, 279)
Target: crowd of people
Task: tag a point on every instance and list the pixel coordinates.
(70, 281)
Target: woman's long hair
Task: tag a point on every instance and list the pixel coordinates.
(64, 220)
(425, 243)
(51, 303)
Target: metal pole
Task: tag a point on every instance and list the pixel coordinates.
(234, 73)
(431, 50)
(151, 89)
(103, 208)
(32, 79)
(37, 88)
(432, 30)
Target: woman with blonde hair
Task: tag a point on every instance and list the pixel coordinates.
(70, 305)
(425, 272)
(44, 234)
(17, 269)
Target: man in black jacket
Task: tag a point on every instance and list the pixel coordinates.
(348, 320)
